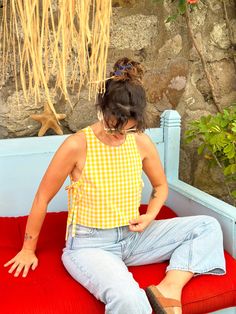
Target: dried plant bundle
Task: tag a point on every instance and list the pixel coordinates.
(56, 44)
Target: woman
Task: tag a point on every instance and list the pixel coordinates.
(105, 232)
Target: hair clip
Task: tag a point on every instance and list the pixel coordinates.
(122, 68)
(118, 72)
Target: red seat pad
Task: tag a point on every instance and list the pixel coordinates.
(50, 289)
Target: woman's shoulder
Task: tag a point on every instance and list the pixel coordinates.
(76, 141)
(143, 139)
(144, 144)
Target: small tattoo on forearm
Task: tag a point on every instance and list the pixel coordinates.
(153, 195)
(28, 236)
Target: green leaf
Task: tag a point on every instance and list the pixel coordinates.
(189, 139)
(189, 132)
(204, 127)
(233, 168)
(233, 193)
(231, 154)
(213, 140)
(182, 6)
(226, 112)
(228, 148)
(230, 136)
(227, 170)
(171, 18)
(216, 128)
(201, 148)
(223, 123)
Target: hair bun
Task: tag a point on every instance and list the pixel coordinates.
(127, 70)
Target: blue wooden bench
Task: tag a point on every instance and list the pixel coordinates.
(23, 162)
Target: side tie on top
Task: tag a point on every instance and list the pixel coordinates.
(73, 199)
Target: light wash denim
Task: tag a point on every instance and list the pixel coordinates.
(98, 258)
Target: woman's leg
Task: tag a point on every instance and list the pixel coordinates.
(193, 244)
(172, 285)
(105, 275)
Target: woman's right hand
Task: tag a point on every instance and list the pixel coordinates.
(23, 259)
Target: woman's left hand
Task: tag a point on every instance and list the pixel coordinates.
(140, 223)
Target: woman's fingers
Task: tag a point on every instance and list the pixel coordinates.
(35, 264)
(137, 227)
(18, 270)
(134, 221)
(13, 267)
(23, 261)
(9, 262)
(26, 270)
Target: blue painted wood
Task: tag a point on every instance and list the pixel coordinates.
(229, 310)
(187, 200)
(30, 145)
(156, 134)
(23, 162)
(170, 122)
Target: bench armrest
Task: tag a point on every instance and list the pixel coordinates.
(187, 200)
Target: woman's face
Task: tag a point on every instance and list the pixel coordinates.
(128, 128)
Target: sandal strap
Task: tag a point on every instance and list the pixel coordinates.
(168, 302)
(164, 301)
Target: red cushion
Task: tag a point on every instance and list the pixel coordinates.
(50, 288)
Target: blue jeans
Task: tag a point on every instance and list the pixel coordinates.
(98, 258)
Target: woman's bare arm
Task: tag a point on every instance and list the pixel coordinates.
(152, 167)
(60, 167)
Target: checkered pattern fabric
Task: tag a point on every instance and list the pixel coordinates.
(108, 192)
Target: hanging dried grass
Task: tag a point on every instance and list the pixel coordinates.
(55, 40)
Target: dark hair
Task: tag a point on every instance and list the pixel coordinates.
(124, 96)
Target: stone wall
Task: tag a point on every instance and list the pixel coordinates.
(174, 77)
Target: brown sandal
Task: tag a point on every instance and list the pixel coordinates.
(159, 303)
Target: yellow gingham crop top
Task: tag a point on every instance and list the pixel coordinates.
(108, 192)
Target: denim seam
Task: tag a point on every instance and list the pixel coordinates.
(71, 243)
(190, 254)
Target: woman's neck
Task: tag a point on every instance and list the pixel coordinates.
(111, 139)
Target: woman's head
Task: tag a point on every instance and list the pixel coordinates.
(124, 98)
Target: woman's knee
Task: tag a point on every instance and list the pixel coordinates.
(211, 225)
(212, 222)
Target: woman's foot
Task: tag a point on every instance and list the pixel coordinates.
(162, 303)
(173, 292)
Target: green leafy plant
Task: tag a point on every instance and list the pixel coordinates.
(181, 7)
(217, 135)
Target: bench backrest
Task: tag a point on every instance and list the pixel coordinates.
(23, 162)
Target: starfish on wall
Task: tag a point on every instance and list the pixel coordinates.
(48, 120)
